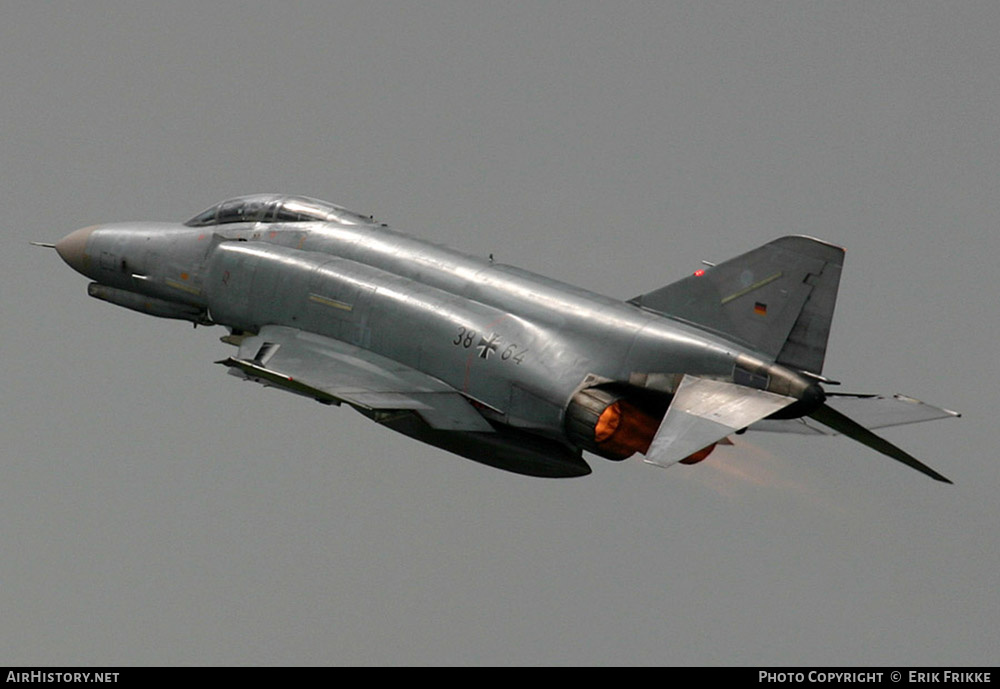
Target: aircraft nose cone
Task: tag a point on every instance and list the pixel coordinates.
(71, 248)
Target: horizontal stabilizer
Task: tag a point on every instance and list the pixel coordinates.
(869, 411)
(704, 412)
(843, 424)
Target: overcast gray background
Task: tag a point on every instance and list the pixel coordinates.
(154, 510)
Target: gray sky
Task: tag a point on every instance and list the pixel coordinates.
(154, 510)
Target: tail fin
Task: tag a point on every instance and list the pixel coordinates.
(778, 298)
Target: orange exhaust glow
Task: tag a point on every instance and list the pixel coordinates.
(623, 429)
(701, 454)
(608, 423)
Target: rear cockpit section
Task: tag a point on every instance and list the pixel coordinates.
(274, 208)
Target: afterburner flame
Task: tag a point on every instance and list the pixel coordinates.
(623, 429)
(701, 454)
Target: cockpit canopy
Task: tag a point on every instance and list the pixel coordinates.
(275, 208)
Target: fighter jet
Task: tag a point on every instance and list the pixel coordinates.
(488, 361)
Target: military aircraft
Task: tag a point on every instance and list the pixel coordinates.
(490, 362)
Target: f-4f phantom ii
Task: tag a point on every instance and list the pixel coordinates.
(488, 361)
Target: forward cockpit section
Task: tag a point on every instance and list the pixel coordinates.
(273, 208)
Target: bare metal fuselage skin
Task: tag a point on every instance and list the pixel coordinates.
(519, 343)
(503, 366)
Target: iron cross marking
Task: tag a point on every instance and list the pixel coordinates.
(488, 345)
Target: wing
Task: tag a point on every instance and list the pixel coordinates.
(333, 372)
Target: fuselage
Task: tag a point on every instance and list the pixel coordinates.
(517, 344)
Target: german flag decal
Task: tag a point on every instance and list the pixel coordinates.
(760, 308)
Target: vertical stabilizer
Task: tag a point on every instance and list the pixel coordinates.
(779, 298)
